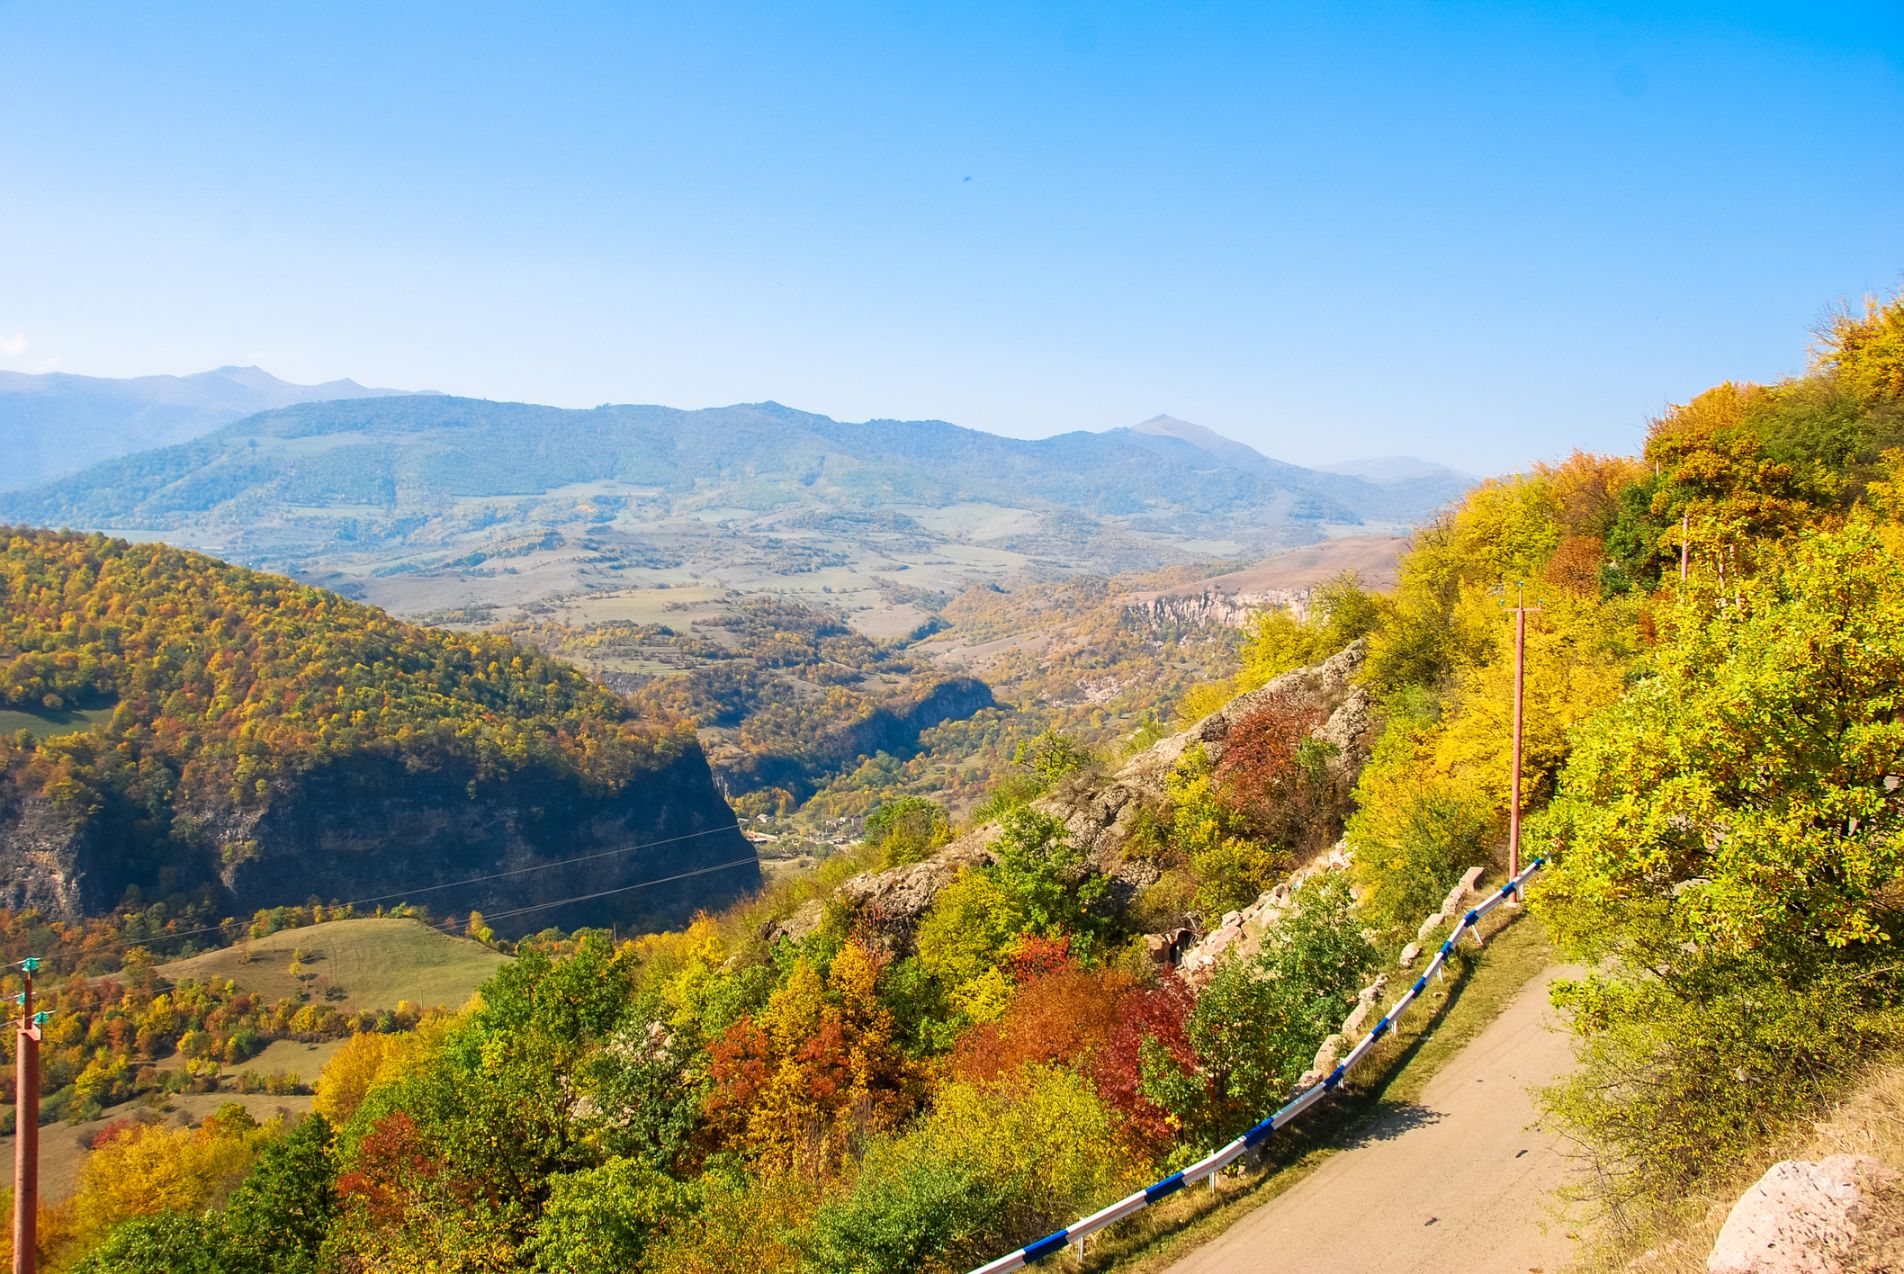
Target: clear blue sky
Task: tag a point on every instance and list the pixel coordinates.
(1482, 233)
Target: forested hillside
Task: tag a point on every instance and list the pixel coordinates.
(954, 1040)
(174, 724)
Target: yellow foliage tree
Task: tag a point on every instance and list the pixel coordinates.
(364, 1061)
(149, 1169)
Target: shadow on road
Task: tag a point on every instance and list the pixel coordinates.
(1390, 1122)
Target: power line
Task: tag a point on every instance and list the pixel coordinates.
(475, 880)
(622, 889)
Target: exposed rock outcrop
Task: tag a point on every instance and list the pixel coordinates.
(1213, 608)
(1100, 813)
(1802, 1218)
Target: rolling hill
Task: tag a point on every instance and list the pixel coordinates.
(54, 423)
(271, 742)
(427, 504)
(371, 962)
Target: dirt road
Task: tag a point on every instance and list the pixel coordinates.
(1457, 1182)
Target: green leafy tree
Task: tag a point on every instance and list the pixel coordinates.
(1728, 860)
(1258, 1022)
(968, 928)
(1052, 756)
(645, 1088)
(278, 1216)
(908, 829)
(1048, 878)
(164, 1243)
(600, 1220)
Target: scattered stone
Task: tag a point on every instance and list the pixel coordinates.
(1410, 954)
(1800, 1218)
(1429, 926)
(1327, 1056)
(1167, 948)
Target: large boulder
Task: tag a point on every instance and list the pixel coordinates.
(1802, 1218)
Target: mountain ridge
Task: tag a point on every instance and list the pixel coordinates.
(60, 422)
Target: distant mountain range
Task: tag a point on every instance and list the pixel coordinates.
(411, 453)
(55, 424)
(429, 504)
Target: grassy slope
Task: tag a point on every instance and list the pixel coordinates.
(1867, 1120)
(377, 961)
(42, 723)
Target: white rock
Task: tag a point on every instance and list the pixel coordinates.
(1800, 1218)
(1410, 954)
(1429, 925)
(1328, 1055)
(1468, 881)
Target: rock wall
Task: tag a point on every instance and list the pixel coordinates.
(1100, 812)
(368, 827)
(1213, 608)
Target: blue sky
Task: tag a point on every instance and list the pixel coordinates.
(1480, 233)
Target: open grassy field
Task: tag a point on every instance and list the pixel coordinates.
(64, 1148)
(376, 962)
(42, 723)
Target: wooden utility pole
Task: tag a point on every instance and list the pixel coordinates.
(1520, 666)
(26, 1128)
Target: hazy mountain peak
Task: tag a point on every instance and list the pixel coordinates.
(57, 423)
(251, 375)
(1168, 426)
(1393, 469)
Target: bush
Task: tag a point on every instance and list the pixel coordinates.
(600, 1220)
(990, 1167)
(907, 830)
(1676, 1079)
(1258, 1022)
(1409, 856)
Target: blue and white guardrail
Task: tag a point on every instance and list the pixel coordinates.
(1076, 1233)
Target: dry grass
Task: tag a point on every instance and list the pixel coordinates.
(1868, 1120)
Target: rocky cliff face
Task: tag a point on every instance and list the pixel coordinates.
(1100, 812)
(1212, 608)
(528, 848)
